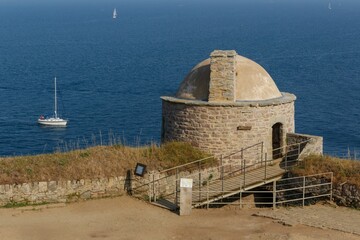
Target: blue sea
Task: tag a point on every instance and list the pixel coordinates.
(112, 72)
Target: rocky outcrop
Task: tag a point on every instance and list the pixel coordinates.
(346, 194)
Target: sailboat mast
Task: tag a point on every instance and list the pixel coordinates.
(55, 100)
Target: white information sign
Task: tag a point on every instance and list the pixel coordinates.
(186, 182)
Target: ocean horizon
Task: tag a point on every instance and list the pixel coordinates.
(111, 73)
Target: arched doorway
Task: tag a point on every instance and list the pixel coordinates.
(277, 140)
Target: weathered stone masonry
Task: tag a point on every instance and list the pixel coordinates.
(71, 190)
(226, 103)
(222, 128)
(222, 75)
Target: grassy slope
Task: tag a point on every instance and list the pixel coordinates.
(343, 170)
(95, 162)
(107, 161)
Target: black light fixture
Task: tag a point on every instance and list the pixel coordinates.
(140, 169)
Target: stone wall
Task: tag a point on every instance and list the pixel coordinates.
(74, 190)
(224, 128)
(313, 145)
(222, 76)
(343, 194)
(347, 195)
(67, 191)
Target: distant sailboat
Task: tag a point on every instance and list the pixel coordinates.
(55, 120)
(329, 6)
(114, 13)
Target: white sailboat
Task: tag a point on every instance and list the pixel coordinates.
(114, 13)
(55, 120)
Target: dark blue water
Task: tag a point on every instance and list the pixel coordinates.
(111, 74)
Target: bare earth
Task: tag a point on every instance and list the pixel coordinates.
(128, 218)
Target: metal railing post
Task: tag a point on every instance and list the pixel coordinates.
(244, 179)
(176, 186)
(262, 153)
(199, 166)
(274, 194)
(331, 186)
(153, 188)
(286, 152)
(222, 174)
(265, 165)
(241, 171)
(242, 153)
(303, 197)
(240, 202)
(207, 195)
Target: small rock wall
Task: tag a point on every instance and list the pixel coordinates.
(67, 191)
(344, 194)
(347, 195)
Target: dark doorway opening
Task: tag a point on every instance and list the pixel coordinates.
(277, 140)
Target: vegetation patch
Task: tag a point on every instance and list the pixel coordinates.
(95, 162)
(344, 170)
(13, 204)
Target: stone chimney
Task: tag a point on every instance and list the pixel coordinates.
(222, 76)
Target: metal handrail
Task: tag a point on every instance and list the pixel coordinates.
(241, 167)
(221, 194)
(243, 149)
(186, 164)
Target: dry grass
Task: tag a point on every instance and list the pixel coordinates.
(95, 162)
(343, 170)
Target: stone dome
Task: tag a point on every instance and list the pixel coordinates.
(242, 78)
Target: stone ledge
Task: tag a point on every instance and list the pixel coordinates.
(285, 98)
(223, 53)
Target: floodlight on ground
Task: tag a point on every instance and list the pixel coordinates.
(140, 169)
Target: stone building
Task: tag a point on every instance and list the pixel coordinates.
(226, 103)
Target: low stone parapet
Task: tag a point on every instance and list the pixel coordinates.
(310, 144)
(67, 191)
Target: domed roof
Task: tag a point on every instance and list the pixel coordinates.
(251, 81)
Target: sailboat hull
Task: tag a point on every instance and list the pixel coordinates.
(53, 122)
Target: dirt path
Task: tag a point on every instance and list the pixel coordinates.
(318, 216)
(128, 218)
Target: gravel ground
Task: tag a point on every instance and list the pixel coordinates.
(318, 216)
(128, 218)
